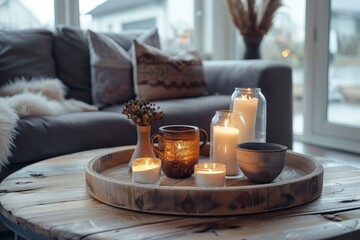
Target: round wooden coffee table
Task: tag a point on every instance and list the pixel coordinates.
(49, 200)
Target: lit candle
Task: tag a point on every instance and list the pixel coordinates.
(248, 107)
(209, 174)
(224, 141)
(146, 170)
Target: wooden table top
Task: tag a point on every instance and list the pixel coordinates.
(48, 200)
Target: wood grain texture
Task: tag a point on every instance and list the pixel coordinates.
(50, 199)
(108, 180)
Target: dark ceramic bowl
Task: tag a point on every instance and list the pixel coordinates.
(261, 162)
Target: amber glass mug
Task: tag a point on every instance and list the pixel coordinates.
(179, 149)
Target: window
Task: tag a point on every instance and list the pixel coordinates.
(139, 25)
(332, 63)
(21, 14)
(344, 64)
(173, 18)
(286, 42)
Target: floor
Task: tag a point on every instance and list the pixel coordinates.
(349, 158)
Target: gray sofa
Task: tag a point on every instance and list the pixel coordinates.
(64, 53)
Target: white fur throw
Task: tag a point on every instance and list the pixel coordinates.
(8, 120)
(37, 97)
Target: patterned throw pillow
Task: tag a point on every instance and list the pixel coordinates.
(111, 66)
(160, 76)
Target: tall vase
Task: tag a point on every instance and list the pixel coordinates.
(252, 46)
(143, 147)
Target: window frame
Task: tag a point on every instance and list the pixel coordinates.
(317, 130)
(67, 12)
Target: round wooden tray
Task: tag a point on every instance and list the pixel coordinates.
(108, 180)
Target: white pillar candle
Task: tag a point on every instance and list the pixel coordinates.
(237, 121)
(146, 170)
(210, 174)
(224, 144)
(248, 107)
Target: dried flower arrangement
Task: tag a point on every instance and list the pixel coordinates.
(253, 18)
(142, 113)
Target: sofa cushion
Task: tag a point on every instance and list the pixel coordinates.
(111, 70)
(73, 62)
(196, 111)
(49, 136)
(67, 133)
(26, 53)
(161, 76)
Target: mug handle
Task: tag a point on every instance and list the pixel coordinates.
(206, 137)
(155, 148)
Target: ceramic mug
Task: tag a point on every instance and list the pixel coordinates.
(179, 149)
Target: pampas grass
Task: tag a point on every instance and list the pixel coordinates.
(253, 18)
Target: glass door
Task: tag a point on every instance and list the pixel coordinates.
(344, 64)
(333, 73)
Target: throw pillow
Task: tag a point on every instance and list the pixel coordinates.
(125, 39)
(110, 70)
(71, 53)
(161, 76)
(150, 38)
(111, 65)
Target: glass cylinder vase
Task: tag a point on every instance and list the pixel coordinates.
(226, 131)
(252, 104)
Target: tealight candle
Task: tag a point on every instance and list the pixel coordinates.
(146, 170)
(210, 174)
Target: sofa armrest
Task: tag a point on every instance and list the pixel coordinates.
(275, 81)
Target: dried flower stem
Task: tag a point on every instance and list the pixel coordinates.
(142, 113)
(252, 19)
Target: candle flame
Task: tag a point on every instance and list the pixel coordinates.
(179, 145)
(246, 97)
